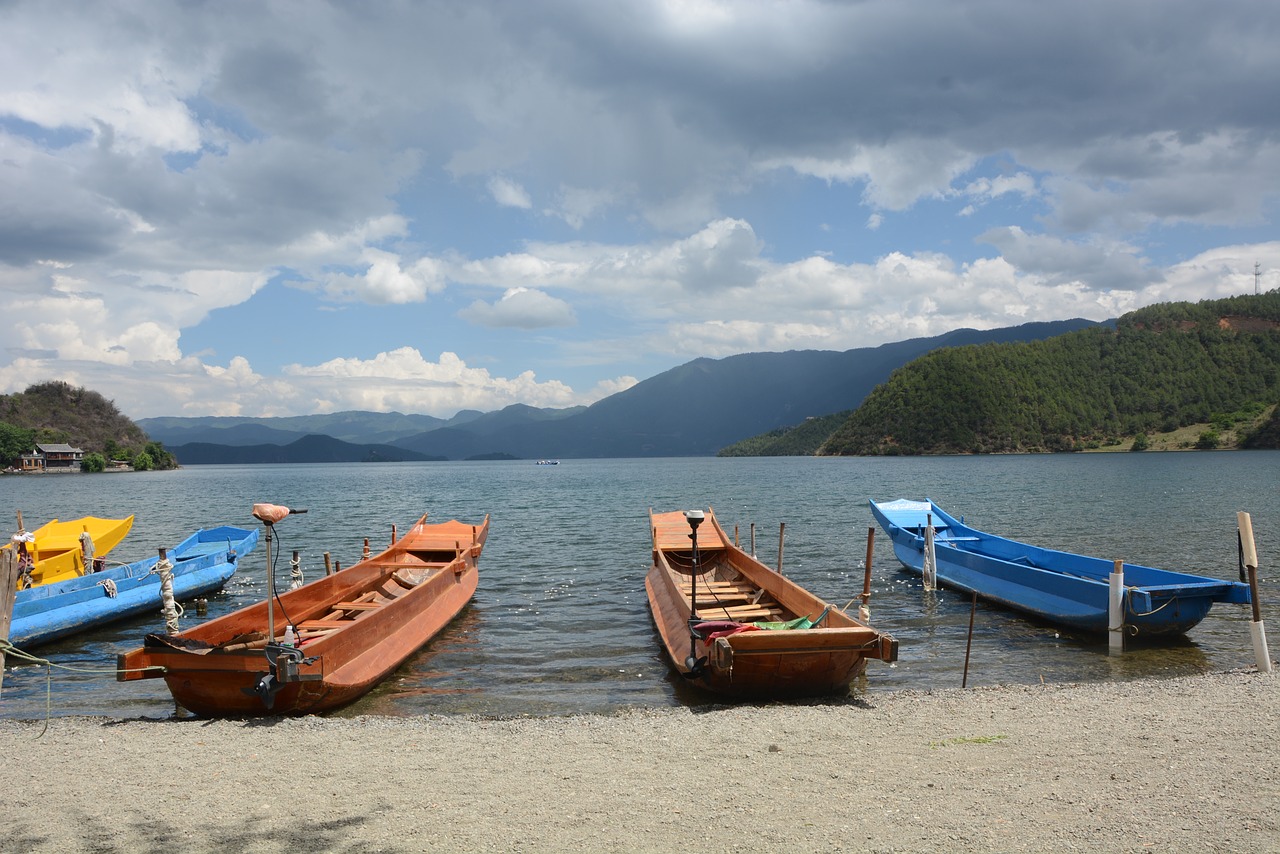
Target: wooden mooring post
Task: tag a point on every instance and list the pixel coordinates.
(1115, 610)
(1249, 557)
(864, 610)
(782, 533)
(8, 592)
(929, 566)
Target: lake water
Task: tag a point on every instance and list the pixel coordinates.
(560, 623)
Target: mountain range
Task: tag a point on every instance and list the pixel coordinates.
(694, 409)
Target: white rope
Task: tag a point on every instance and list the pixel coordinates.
(295, 572)
(109, 585)
(169, 608)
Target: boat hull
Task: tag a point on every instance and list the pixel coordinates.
(763, 664)
(56, 552)
(1062, 588)
(221, 672)
(202, 564)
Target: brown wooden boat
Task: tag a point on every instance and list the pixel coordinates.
(736, 627)
(351, 630)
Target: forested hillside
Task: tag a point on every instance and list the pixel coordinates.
(56, 413)
(1161, 368)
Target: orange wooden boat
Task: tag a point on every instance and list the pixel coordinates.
(734, 626)
(351, 630)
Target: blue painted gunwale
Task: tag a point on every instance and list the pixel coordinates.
(202, 563)
(1061, 587)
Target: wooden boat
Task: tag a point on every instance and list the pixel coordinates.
(1067, 589)
(56, 550)
(201, 564)
(733, 626)
(352, 628)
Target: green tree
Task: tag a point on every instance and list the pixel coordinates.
(143, 462)
(14, 442)
(1208, 440)
(93, 462)
(1140, 442)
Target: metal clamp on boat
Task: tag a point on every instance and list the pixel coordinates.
(285, 660)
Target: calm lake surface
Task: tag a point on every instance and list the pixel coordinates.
(560, 623)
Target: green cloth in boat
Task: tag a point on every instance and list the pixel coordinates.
(798, 623)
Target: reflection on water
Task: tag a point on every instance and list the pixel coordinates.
(560, 624)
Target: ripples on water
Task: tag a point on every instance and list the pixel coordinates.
(560, 623)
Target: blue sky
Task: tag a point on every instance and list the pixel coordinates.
(277, 208)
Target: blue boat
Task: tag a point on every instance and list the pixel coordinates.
(202, 563)
(1060, 587)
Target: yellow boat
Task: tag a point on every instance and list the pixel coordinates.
(56, 549)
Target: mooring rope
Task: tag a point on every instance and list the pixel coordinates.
(11, 651)
(295, 572)
(169, 607)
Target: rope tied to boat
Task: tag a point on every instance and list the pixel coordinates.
(295, 572)
(25, 563)
(11, 651)
(169, 607)
(1128, 603)
(109, 585)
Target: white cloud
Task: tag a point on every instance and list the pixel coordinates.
(508, 193)
(521, 308)
(386, 280)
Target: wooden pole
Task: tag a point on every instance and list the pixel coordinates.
(328, 567)
(1256, 629)
(864, 610)
(169, 607)
(929, 568)
(1115, 610)
(8, 592)
(753, 539)
(973, 608)
(782, 533)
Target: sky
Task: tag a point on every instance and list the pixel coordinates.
(282, 208)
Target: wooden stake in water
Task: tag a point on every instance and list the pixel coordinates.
(864, 610)
(973, 609)
(930, 568)
(1115, 610)
(8, 592)
(782, 533)
(168, 608)
(1249, 552)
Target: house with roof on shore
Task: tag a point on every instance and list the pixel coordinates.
(52, 458)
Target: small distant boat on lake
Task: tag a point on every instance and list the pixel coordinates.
(734, 626)
(56, 550)
(548, 462)
(1061, 587)
(325, 644)
(201, 564)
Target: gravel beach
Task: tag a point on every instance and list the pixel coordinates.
(1186, 764)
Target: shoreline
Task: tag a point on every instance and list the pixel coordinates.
(1184, 764)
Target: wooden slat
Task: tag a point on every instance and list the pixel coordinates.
(357, 606)
(324, 624)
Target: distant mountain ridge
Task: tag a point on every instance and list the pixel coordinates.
(308, 449)
(694, 409)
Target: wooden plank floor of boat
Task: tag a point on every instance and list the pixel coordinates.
(343, 614)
